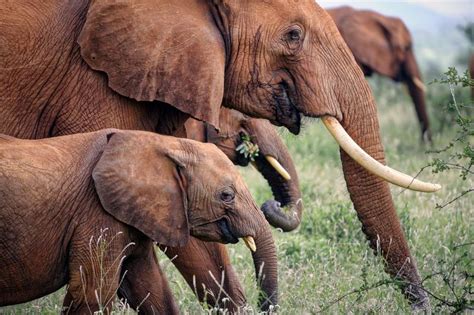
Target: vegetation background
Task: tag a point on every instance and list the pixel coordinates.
(326, 265)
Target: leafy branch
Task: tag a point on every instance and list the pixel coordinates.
(458, 155)
(247, 148)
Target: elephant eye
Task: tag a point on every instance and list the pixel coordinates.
(227, 195)
(294, 35)
(293, 38)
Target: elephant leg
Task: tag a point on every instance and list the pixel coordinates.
(92, 285)
(206, 268)
(145, 287)
(95, 264)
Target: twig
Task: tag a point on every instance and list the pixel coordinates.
(438, 206)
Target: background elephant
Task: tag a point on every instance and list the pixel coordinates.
(383, 45)
(273, 161)
(96, 202)
(157, 62)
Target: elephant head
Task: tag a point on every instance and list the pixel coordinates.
(170, 188)
(273, 161)
(276, 60)
(383, 45)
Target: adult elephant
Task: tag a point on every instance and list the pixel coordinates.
(272, 160)
(277, 60)
(383, 45)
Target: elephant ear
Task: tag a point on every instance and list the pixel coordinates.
(369, 40)
(141, 186)
(164, 50)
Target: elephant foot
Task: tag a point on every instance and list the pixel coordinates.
(418, 297)
(426, 137)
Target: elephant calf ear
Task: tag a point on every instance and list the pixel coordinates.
(164, 50)
(141, 187)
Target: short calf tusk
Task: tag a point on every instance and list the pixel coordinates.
(278, 167)
(372, 165)
(250, 242)
(419, 84)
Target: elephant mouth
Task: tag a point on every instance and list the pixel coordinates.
(286, 113)
(227, 234)
(240, 158)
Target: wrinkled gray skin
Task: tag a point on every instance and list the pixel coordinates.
(286, 209)
(85, 210)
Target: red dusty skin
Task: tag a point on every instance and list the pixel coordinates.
(266, 268)
(373, 202)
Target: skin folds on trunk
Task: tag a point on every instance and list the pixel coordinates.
(266, 267)
(372, 198)
(285, 211)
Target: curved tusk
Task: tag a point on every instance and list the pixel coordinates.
(372, 165)
(278, 167)
(419, 84)
(250, 242)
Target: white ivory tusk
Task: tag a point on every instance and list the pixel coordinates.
(372, 165)
(278, 167)
(250, 242)
(419, 84)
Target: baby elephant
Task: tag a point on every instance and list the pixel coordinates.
(86, 209)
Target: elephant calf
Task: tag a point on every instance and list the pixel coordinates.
(86, 209)
(273, 161)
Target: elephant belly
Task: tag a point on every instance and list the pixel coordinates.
(33, 255)
(23, 282)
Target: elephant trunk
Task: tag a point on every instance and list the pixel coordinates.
(371, 195)
(266, 268)
(412, 76)
(275, 164)
(285, 211)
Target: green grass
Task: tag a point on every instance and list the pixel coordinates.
(328, 257)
